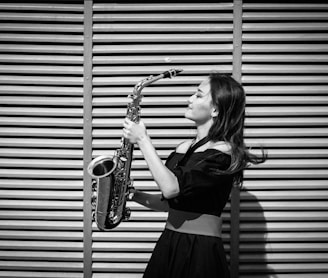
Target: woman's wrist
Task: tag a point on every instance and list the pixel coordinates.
(143, 140)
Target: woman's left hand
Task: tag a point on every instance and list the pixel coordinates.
(133, 131)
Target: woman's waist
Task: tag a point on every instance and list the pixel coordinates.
(194, 223)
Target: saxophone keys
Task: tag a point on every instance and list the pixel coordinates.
(126, 214)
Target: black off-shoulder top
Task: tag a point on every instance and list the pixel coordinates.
(202, 189)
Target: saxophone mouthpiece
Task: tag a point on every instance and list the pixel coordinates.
(171, 73)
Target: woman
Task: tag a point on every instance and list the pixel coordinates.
(196, 181)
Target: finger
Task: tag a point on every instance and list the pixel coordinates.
(128, 121)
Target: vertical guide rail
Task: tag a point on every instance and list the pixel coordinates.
(235, 194)
(87, 138)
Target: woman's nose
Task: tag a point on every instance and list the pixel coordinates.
(190, 100)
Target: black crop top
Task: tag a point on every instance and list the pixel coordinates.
(201, 189)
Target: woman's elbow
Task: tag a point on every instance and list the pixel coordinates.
(171, 192)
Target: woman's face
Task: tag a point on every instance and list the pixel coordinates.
(200, 108)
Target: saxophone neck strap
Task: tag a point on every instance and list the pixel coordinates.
(191, 149)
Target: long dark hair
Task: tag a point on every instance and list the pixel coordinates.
(229, 100)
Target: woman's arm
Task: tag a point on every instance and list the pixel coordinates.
(165, 179)
(152, 201)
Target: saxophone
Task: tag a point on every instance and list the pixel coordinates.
(112, 174)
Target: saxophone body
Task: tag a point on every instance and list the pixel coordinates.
(112, 174)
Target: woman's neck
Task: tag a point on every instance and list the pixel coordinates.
(203, 129)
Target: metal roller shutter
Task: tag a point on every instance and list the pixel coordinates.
(131, 42)
(283, 214)
(41, 117)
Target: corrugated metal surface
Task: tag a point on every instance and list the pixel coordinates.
(131, 42)
(283, 231)
(283, 213)
(41, 117)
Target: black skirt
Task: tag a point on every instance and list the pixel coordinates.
(182, 255)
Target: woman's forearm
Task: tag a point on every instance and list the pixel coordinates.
(152, 201)
(165, 179)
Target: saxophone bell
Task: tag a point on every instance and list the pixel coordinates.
(102, 166)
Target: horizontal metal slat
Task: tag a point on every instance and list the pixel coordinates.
(46, 266)
(166, 17)
(285, 26)
(291, 79)
(308, 69)
(280, 37)
(283, 247)
(305, 226)
(41, 143)
(42, 274)
(41, 204)
(42, 80)
(292, 58)
(41, 194)
(284, 16)
(164, 38)
(286, 174)
(37, 59)
(120, 257)
(42, 100)
(299, 215)
(119, 267)
(41, 225)
(41, 235)
(163, 48)
(284, 258)
(41, 245)
(41, 215)
(285, 6)
(52, 17)
(42, 121)
(296, 89)
(321, 48)
(252, 186)
(41, 132)
(30, 69)
(42, 7)
(41, 48)
(287, 268)
(40, 153)
(159, 28)
(54, 112)
(156, 59)
(131, 7)
(40, 173)
(145, 70)
(40, 90)
(42, 184)
(286, 111)
(41, 256)
(39, 28)
(44, 38)
(284, 194)
(286, 237)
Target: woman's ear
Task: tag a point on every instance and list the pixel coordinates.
(215, 113)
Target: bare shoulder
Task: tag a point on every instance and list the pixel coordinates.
(184, 146)
(221, 146)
